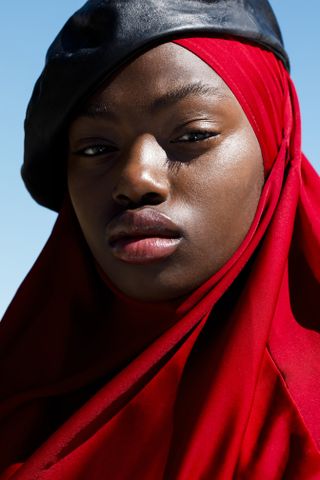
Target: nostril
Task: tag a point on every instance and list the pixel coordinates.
(151, 198)
(123, 200)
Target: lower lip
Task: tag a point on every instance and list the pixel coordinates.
(144, 250)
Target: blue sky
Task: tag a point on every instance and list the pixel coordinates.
(27, 29)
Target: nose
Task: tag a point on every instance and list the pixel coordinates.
(143, 178)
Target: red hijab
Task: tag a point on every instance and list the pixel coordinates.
(221, 385)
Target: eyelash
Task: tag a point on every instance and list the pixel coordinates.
(105, 149)
(102, 150)
(206, 135)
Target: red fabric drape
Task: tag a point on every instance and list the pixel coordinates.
(223, 384)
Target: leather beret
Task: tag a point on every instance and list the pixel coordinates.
(98, 39)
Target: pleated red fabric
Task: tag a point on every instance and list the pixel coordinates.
(224, 384)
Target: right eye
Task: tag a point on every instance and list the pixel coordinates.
(96, 150)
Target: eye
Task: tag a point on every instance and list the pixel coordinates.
(192, 137)
(96, 150)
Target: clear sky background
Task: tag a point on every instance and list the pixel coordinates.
(27, 29)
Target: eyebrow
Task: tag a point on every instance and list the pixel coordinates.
(179, 93)
(107, 110)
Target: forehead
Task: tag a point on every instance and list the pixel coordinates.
(165, 68)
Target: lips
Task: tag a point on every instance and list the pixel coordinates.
(143, 236)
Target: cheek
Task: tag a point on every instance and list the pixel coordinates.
(223, 191)
(90, 198)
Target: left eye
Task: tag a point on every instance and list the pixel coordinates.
(96, 150)
(195, 137)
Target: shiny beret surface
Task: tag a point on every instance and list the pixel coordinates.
(98, 39)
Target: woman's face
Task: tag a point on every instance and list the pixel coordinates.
(164, 173)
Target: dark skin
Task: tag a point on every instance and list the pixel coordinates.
(165, 134)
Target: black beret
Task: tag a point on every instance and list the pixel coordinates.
(95, 41)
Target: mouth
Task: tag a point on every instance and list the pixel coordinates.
(142, 237)
(142, 250)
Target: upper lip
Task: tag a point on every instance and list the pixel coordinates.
(146, 222)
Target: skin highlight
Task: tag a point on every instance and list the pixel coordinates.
(167, 136)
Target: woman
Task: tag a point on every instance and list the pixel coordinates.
(169, 329)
